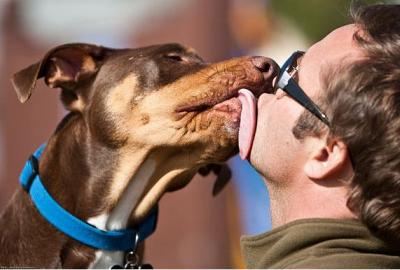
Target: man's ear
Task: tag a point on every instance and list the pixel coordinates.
(65, 66)
(328, 159)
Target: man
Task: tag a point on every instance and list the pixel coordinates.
(333, 170)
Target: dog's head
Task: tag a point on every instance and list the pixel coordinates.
(164, 98)
(158, 96)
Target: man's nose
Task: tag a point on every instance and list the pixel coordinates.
(268, 67)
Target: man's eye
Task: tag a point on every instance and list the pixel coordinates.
(291, 69)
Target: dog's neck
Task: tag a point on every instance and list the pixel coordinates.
(103, 185)
(100, 184)
(89, 178)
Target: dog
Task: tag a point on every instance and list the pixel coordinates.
(141, 122)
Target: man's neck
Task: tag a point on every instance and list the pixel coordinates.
(304, 199)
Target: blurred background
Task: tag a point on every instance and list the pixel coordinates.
(195, 230)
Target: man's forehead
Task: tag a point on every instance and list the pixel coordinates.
(343, 38)
(345, 32)
(336, 48)
(337, 44)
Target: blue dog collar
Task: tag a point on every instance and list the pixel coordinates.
(117, 240)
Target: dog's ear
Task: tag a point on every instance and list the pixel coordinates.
(65, 66)
(223, 173)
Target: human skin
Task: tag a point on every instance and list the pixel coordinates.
(306, 177)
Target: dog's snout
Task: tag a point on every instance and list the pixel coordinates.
(262, 63)
(267, 66)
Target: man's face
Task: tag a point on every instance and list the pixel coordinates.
(276, 153)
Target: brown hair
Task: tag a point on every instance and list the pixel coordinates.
(362, 101)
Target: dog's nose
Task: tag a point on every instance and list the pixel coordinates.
(268, 67)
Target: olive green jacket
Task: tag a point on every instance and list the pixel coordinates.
(318, 243)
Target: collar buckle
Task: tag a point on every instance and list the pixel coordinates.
(29, 172)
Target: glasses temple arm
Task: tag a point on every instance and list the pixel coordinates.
(287, 84)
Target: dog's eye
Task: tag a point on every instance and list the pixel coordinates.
(174, 57)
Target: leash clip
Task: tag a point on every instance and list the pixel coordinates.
(132, 259)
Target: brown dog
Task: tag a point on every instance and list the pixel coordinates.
(141, 122)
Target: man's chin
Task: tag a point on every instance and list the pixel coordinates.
(255, 159)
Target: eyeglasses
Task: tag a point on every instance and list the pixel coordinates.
(286, 82)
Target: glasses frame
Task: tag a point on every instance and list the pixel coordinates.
(289, 85)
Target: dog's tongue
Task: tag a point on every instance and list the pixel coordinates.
(247, 122)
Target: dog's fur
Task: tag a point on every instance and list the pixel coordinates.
(141, 122)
